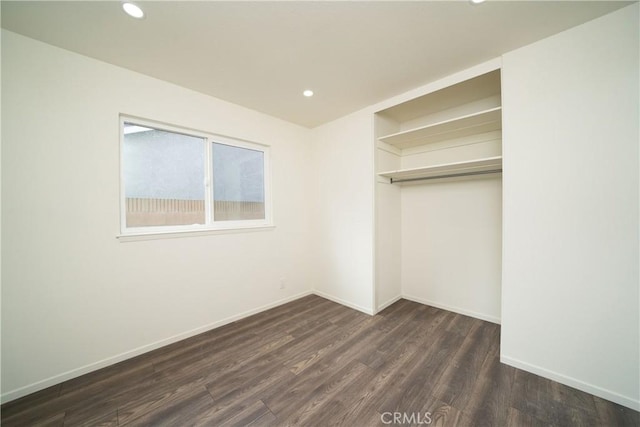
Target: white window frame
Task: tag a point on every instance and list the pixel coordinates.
(210, 224)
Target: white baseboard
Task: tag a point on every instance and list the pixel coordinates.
(388, 303)
(57, 379)
(340, 301)
(572, 382)
(459, 310)
(563, 379)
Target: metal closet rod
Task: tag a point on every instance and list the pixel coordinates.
(453, 175)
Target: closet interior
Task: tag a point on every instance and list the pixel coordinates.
(439, 198)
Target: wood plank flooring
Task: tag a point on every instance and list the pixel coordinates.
(315, 363)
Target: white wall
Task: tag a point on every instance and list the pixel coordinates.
(74, 298)
(452, 232)
(388, 233)
(343, 210)
(570, 298)
(451, 244)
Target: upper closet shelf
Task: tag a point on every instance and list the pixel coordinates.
(482, 121)
(448, 170)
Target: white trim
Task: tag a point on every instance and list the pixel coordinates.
(266, 180)
(210, 224)
(57, 379)
(573, 382)
(123, 200)
(454, 309)
(156, 235)
(450, 80)
(235, 142)
(194, 228)
(343, 302)
(209, 213)
(388, 303)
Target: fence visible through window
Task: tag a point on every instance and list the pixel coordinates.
(181, 180)
(143, 212)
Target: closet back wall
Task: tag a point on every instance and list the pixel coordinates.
(74, 298)
(451, 244)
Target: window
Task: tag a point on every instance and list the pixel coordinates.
(177, 180)
(238, 183)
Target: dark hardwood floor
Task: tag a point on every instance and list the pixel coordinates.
(315, 363)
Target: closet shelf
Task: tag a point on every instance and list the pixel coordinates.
(448, 170)
(471, 124)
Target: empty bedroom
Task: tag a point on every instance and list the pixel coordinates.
(315, 213)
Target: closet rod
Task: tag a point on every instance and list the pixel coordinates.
(453, 175)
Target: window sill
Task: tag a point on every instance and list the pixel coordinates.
(156, 235)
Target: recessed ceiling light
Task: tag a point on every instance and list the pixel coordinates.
(133, 10)
(308, 93)
(476, 1)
